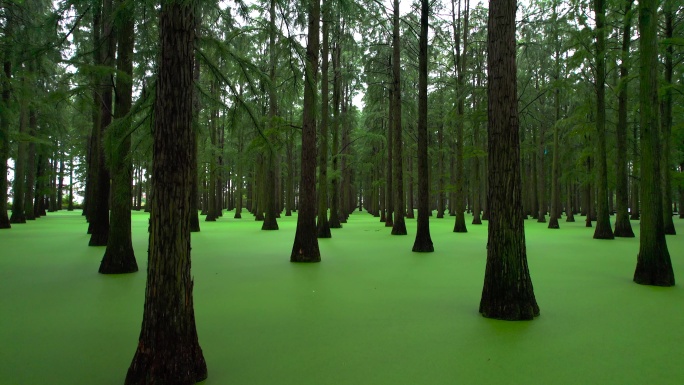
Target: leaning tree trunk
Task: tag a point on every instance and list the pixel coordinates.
(507, 293)
(168, 350)
(399, 226)
(653, 261)
(305, 245)
(623, 227)
(603, 228)
(423, 242)
(119, 256)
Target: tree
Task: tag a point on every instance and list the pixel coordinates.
(423, 242)
(603, 229)
(666, 121)
(4, 115)
(653, 261)
(305, 246)
(322, 224)
(119, 256)
(399, 226)
(507, 293)
(168, 350)
(459, 67)
(623, 227)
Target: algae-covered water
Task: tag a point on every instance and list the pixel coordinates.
(372, 312)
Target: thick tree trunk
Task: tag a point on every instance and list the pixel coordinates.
(653, 261)
(119, 256)
(623, 227)
(507, 293)
(399, 226)
(168, 350)
(305, 245)
(423, 242)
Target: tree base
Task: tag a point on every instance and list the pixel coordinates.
(654, 273)
(237, 215)
(97, 239)
(570, 218)
(623, 229)
(423, 244)
(603, 232)
(477, 220)
(259, 217)
(670, 229)
(172, 365)
(460, 226)
(399, 227)
(521, 311)
(122, 262)
(541, 219)
(553, 223)
(17, 219)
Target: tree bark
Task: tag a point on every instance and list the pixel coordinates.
(5, 88)
(423, 242)
(168, 350)
(119, 257)
(666, 123)
(322, 224)
(623, 227)
(653, 261)
(399, 225)
(305, 245)
(507, 293)
(603, 228)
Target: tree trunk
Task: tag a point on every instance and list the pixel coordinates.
(389, 186)
(119, 256)
(507, 293)
(100, 219)
(20, 164)
(5, 88)
(399, 226)
(603, 228)
(459, 196)
(335, 207)
(623, 227)
(322, 224)
(168, 350)
(423, 242)
(31, 169)
(305, 245)
(271, 193)
(666, 123)
(653, 261)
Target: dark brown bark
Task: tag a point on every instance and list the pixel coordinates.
(119, 257)
(555, 166)
(569, 208)
(100, 213)
(623, 227)
(31, 169)
(335, 207)
(666, 123)
(271, 193)
(603, 228)
(305, 246)
(194, 193)
(507, 293)
(168, 350)
(458, 197)
(653, 261)
(18, 204)
(399, 225)
(423, 242)
(389, 185)
(322, 224)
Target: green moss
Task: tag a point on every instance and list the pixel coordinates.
(372, 312)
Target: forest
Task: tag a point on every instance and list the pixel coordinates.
(348, 180)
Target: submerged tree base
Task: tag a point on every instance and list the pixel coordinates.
(623, 229)
(121, 262)
(399, 227)
(177, 363)
(654, 270)
(553, 223)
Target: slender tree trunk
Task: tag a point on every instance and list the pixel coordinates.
(271, 193)
(31, 169)
(653, 261)
(20, 164)
(119, 256)
(389, 186)
(5, 88)
(168, 350)
(507, 293)
(305, 246)
(603, 228)
(569, 208)
(666, 123)
(623, 227)
(100, 220)
(441, 187)
(458, 205)
(335, 208)
(634, 209)
(322, 224)
(423, 242)
(555, 167)
(399, 226)
(194, 193)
